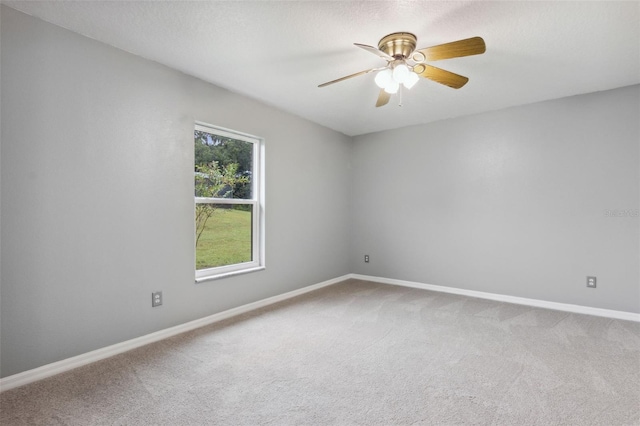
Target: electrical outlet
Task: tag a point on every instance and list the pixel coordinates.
(156, 299)
(591, 282)
(366, 258)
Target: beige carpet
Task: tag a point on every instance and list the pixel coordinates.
(360, 353)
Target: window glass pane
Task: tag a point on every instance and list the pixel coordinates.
(223, 234)
(223, 166)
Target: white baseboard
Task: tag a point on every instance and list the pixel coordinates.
(578, 309)
(58, 367)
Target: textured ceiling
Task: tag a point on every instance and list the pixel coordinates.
(278, 52)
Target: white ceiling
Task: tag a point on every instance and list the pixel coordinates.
(278, 52)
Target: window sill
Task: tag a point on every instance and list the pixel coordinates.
(228, 274)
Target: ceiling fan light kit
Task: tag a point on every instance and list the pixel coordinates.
(405, 65)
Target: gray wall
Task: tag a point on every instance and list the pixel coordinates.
(511, 202)
(97, 196)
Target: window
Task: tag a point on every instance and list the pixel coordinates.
(229, 212)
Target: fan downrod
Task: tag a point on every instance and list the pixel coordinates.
(398, 45)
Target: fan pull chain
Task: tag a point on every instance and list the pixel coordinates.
(400, 96)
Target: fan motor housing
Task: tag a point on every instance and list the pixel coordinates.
(398, 45)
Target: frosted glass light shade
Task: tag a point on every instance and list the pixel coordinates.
(400, 73)
(392, 87)
(383, 78)
(411, 80)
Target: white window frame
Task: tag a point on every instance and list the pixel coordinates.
(256, 201)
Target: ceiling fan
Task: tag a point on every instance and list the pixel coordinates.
(405, 64)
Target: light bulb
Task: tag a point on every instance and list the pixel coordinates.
(411, 80)
(383, 78)
(392, 87)
(400, 73)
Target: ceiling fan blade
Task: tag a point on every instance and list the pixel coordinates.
(346, 77)
(455, 49)
(375, 51)
(440, 76)
(383, 98)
